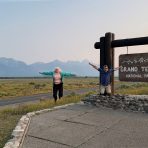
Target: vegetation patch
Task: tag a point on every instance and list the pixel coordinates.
(131, 88)
(7, 124)
(27, 87)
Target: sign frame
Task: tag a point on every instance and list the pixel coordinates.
(134, 67)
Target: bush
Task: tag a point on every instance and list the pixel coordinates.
(138, 85)
(31, 83)
(4, 94)
(43, 85)
(124, 86)
(38, 86)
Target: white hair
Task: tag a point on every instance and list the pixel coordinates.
(58, 69)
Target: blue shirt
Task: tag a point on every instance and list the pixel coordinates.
(105, 76)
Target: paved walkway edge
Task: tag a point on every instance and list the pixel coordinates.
(21, 129)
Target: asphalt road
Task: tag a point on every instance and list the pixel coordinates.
(25, 99)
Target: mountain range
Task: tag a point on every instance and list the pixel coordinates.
(13, 68)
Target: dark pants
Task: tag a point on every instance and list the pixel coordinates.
(57, 91)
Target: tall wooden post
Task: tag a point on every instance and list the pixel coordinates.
(113, 66)
(109, 58)
(108, 51)
(102, 53)
(107, 54)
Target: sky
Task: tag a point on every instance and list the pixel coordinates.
(46, 30)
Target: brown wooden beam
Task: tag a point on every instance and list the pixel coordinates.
(125, 42)
(130, 42)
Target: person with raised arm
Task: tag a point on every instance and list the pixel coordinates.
(57, 76)
(105, 82)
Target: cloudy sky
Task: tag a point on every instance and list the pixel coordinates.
(45, 30)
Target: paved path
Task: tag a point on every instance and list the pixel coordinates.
(84, 126)
(24, 99)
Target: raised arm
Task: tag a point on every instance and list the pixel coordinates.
(67, 74)
(50, 73)
(94, 66)
(117, 68)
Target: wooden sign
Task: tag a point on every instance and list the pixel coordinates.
(134, 67)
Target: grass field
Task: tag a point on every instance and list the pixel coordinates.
(25, 87)
(10, 88)
(132, 88)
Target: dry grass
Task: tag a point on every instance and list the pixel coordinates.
(7, 124)
(132, 88)
(25, 87)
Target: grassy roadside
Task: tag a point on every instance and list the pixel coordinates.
(7, 124)
(26, 87)
(132, 88)
(10, 116)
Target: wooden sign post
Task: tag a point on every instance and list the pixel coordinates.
(107, 45)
